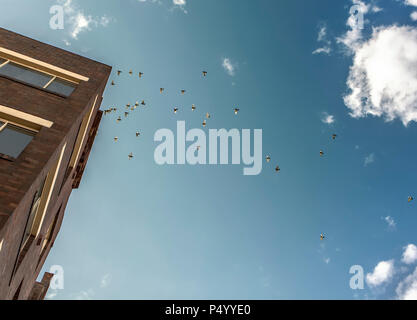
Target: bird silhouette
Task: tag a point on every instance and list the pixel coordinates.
(321, 153)
(119, 72)
(277, 169)
(204, 123)
(137, 134)
(130, 155)
(193, 107)
(268, 158)
(161, 90)
(182, 91)
(112, 83)
(208, 115)
(236, 110)
(116, 138)
(126, 114)
(410, 198)
(130, 72)
(204, 73)
(175, 110)
(322, 237)
(334, 136)
(140, 74)
(119, 119)
(143, 103)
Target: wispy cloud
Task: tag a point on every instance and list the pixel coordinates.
(390, 221)
(105, 280)
(322, 39)
(79, 21)
(369, 159)
(327, 118)
(229, 66)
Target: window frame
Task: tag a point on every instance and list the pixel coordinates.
(23, 121)
(40, 66)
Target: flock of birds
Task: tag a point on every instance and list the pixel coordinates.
(130, 107)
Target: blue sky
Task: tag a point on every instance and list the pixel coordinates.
(137, 230)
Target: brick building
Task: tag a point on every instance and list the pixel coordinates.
(49, 116)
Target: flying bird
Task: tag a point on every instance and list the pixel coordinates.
(119, 72)
(112, 83)
(193, 107)
(175, 110)
(208, 115)
(334, 136)
(140, 74)
(204, 123)
(182, 91)
(116, 138)
(143, 103)
(126, 114)
(236, 110)
(268, 158)
(322, 237)
(119, 119)
(410, 198)
(277, 169)
(130, 155)
(130, 72)
(161, 90)
(137, 134)
(204, 73)
(321, 153)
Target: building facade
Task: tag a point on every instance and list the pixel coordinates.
(49, 116)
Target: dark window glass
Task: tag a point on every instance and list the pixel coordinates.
(26, 75)
(62, 87)
(13, 140)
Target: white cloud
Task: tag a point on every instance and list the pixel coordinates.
(413, 16)
(105, 280)
(79, 21)
(322, 38)
(85, 295)
(410, 254)
(327, 118)
(407, 289)
(411, 3)
(179, 2)
(390, 221)
(327, 260)
(229, 66)
(369, 159)
(383, 77)
(382, 273)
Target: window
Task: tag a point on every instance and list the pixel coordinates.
(17, 130)
(30, 76)
(37, 73)
(39, 211)
(14, 139)
(36, 78)
(61, 87)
